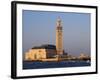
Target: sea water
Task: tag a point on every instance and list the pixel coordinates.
(54, 64)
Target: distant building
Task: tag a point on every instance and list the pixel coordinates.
(41, 52)
(84, 56)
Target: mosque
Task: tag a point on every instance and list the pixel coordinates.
(48, 51)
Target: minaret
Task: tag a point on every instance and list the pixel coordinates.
(59, 37)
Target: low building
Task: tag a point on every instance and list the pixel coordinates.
(83, 57)
(41, 52)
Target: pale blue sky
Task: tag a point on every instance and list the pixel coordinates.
(39, 28)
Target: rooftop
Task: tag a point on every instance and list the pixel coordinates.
(45, 46)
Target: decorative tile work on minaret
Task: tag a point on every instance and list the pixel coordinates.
(59, 37)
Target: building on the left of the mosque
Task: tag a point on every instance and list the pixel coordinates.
(41, 52)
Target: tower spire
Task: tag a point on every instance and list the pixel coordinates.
(59, 22)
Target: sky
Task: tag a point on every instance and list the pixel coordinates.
(39, 27)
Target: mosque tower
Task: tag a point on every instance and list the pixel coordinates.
(59, 37)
